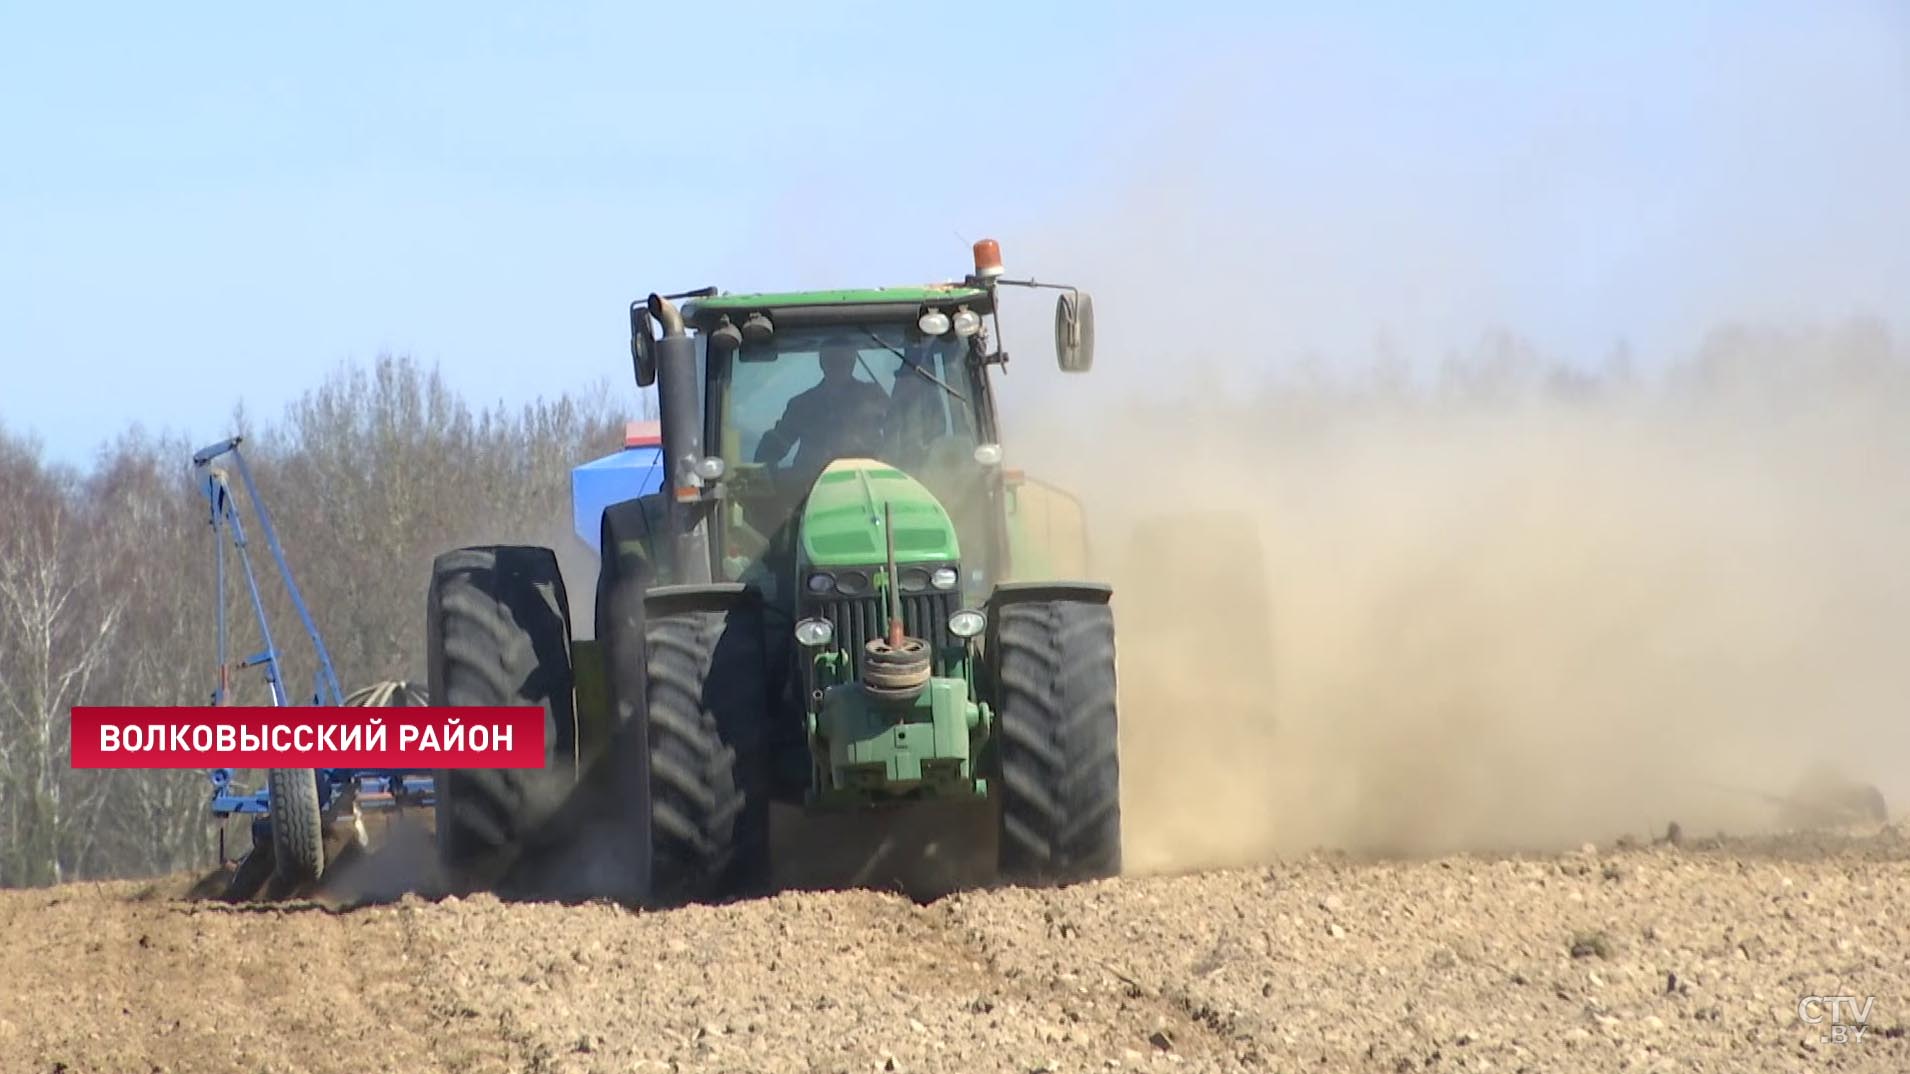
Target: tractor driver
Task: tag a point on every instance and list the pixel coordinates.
(839, 416)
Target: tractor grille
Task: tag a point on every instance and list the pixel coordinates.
(858, 620)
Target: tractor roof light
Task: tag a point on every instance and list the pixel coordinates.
(966, 322)
(988, 259)
(933, 323)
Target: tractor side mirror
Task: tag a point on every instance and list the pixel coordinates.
(643, 349)
(1074, 331)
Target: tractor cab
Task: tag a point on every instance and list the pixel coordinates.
(810, 381)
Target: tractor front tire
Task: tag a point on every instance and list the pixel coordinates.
(689, 696)
(1058, 768)
(498, 633)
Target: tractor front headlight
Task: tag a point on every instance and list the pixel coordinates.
(821, 583)
(815, 633)
(944, 578)
(967, 623)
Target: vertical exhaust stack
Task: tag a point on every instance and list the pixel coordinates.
(681, 416)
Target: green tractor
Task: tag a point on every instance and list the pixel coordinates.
(837, 598)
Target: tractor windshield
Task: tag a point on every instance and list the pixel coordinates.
(806, 397)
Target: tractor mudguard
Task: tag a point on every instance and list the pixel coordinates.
(1007, 593)
(627, 532)
(626, 550)
(699, 597)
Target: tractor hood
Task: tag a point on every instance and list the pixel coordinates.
(842, 521)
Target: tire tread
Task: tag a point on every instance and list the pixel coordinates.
(498, 634)
(1058, 757)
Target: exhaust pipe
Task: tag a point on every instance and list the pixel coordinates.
(666, 314)
(680, 414)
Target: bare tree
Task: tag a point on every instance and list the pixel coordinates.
(57, 624)
(148, 523)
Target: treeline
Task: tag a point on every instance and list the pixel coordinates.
(106, 583)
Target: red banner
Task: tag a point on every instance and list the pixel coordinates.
(308, 737)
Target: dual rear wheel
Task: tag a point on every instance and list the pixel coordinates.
(682, 778)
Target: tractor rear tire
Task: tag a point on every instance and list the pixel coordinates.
(298, 828)
(689, 695)
(498, 633)
(1057, 756)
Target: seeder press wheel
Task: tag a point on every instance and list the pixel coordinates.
(288, 843)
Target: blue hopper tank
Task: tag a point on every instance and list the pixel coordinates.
(635, 471)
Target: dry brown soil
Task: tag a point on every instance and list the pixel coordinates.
(1658, 957)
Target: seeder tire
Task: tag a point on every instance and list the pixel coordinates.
(1057, 757)
(298, 828)
(689, 694)
(498, 633)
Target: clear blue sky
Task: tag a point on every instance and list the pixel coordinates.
(203, 202)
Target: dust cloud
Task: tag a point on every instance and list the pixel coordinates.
(1637, 559)
(1505, 606)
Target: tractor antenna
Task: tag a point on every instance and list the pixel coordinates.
(895, 593)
